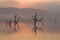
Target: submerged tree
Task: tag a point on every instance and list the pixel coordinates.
(10, 22)
(16, 20)
(35, 28)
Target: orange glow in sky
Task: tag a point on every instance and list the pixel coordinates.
(26, 3)
(22, 3)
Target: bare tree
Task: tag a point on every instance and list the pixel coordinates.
(10, 21)
(35, 22)
(16, 20)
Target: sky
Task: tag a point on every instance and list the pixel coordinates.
(27, 3)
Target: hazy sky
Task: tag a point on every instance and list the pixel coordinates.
(26, 3)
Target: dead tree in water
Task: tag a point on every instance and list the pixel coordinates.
(35, 21)
(16, 20)
(41, 21)
(8, 22)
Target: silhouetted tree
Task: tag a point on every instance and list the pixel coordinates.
(10, 21)
(35, 21)
(16, 20)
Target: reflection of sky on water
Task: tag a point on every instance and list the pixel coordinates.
(26, 33)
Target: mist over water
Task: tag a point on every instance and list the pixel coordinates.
(51, 30)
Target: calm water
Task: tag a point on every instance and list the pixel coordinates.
(51, 28)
